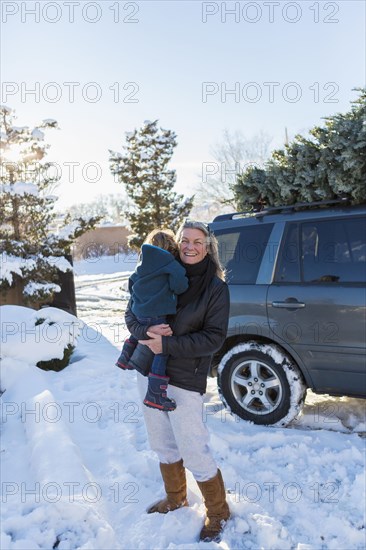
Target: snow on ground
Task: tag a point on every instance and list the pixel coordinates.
(77, 472)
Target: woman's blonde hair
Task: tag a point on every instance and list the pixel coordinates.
(163, 238)
(211, 243)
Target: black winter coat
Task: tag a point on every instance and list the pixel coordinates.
(199, 330)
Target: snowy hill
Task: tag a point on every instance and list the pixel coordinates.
(77, 471)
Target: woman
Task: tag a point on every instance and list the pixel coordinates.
(198, 329)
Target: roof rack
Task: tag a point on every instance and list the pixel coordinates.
(284, 208)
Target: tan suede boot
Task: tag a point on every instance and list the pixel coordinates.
(217, 509)
(174, 477)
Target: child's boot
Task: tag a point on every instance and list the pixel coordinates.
(156, 396)
(127, 350)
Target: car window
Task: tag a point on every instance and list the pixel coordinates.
(333, 250)
(328, 251)
(241, 251)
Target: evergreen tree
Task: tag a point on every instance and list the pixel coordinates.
(330, 164)
(30, 252)
(143, 168)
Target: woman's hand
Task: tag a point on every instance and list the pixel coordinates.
(155, 343)
(162, 330)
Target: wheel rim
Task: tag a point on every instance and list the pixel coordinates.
(256, 387)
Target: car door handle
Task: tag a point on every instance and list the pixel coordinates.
(293, 304)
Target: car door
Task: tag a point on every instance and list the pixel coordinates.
(316, 304)
(242, 247)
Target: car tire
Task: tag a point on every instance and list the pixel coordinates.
(260, 383)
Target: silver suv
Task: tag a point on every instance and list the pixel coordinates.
(297, 280)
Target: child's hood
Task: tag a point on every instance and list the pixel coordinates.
(152, 259)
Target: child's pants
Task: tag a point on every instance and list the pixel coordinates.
(159, 363)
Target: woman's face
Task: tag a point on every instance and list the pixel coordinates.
(192, 246)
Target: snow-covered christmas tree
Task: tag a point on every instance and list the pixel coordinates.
(143, 169)
(329, 164)
(31, 255)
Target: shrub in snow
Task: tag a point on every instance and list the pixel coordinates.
(31, 253)
(45, 338)
(57, 364)
(54, 364)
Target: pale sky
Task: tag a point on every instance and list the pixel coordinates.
(102, 68)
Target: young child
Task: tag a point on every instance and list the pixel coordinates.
(154, 287)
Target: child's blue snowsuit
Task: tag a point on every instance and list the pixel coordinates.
(154, 287)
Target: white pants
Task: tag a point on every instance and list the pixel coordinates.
(180, 433)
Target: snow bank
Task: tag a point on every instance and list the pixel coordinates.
(32, 336)
(49, 498)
